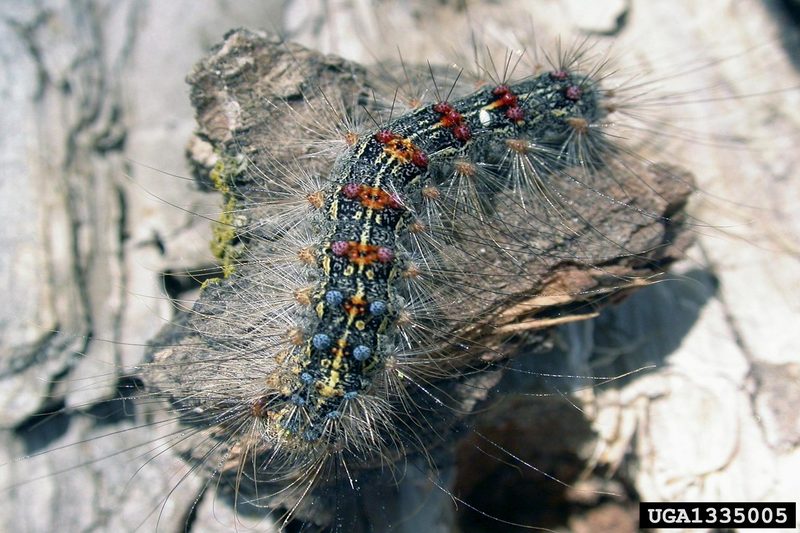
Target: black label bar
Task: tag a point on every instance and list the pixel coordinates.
(722, 515)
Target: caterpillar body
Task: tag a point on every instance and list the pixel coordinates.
(394, 289)
(356, 301)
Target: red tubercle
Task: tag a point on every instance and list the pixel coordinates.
(501, 90)
(450, 117)
(515, 113)
(559, 75)
(573, 92)
(442, 108)
(452, 120)
(351, 190)
(508, 99)
(420, 159)
(462, 132)
(385, 136)
(340, 248)
(385, 255)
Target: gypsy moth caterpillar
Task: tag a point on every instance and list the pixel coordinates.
(387, 97)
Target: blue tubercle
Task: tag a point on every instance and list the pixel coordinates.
(298, 400)
(361, 352)
(377, 307)
(334, 297)
(321, 341)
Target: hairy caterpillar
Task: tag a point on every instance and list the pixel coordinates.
(399, 302)
(442, 366)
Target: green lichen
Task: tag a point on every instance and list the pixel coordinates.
(225, 244)
(221, 179)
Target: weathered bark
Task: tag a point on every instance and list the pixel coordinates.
(92, 86)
